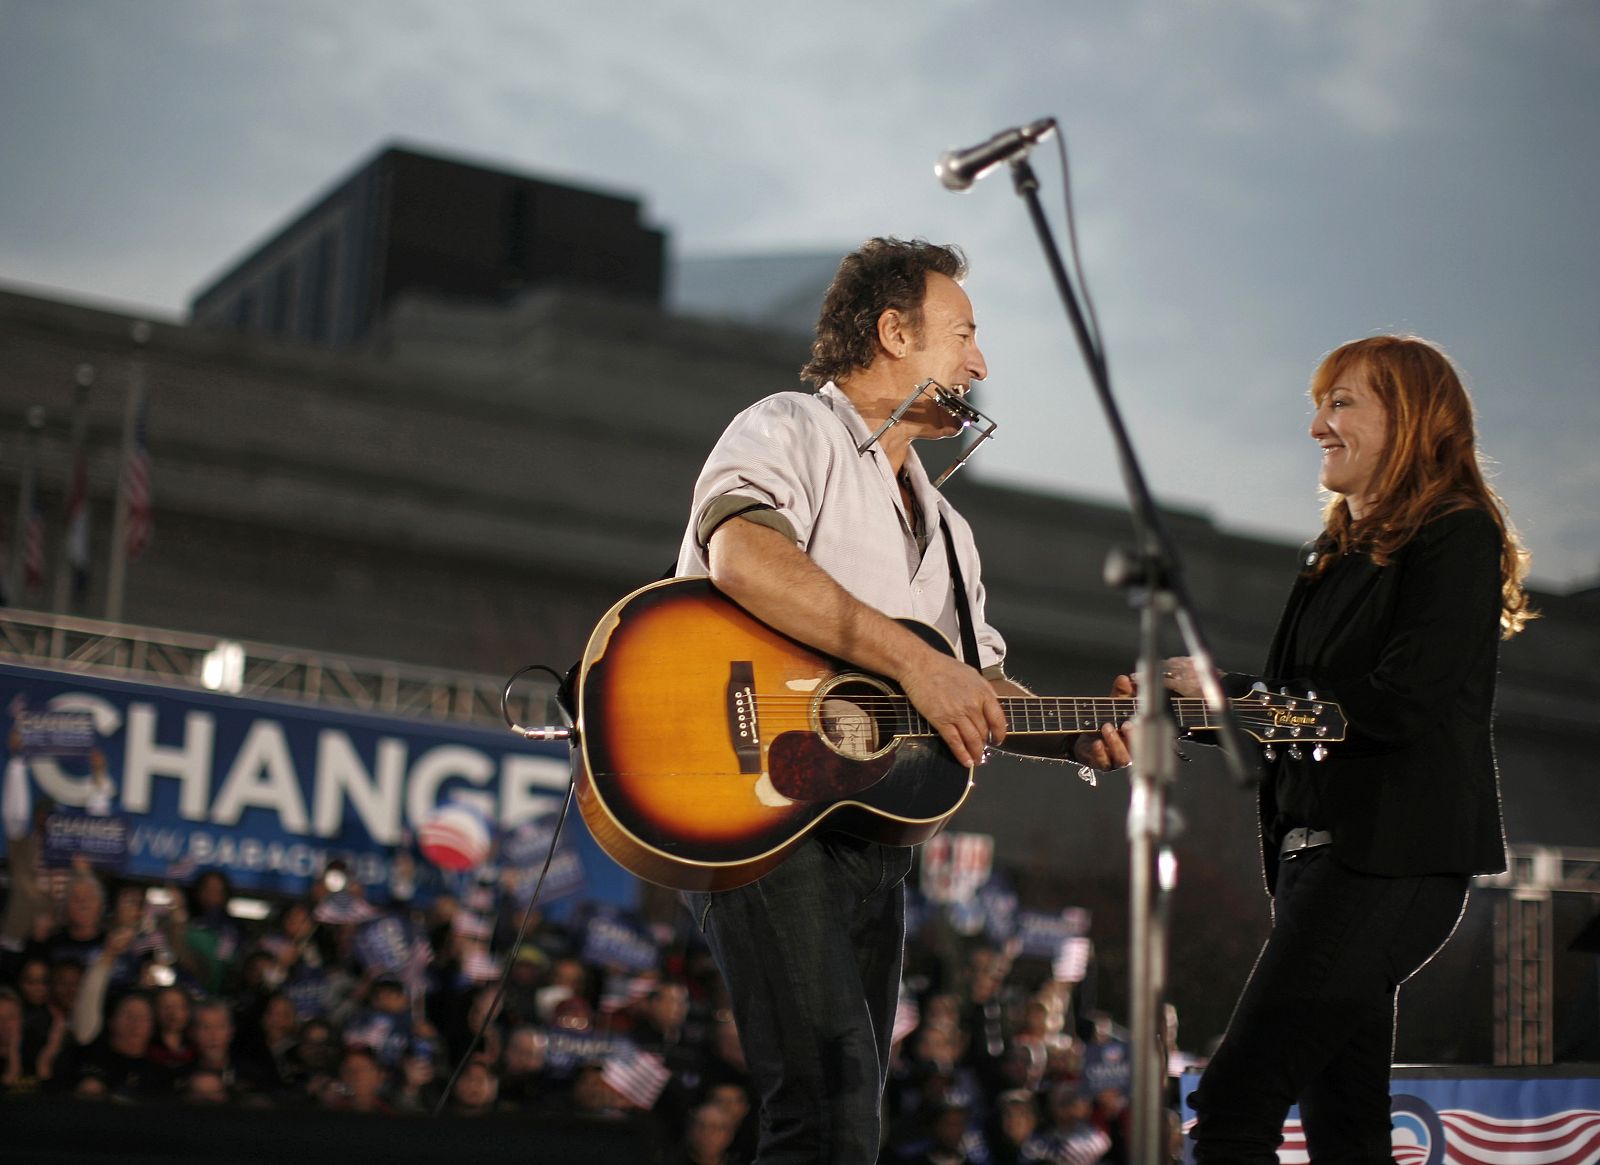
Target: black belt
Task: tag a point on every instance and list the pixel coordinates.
(1298, 840)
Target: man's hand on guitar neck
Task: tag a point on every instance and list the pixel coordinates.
(960, 704)
(1107, 749)
(769, 576)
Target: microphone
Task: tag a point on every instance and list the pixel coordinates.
(959, 169)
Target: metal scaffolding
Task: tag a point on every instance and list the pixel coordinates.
(1524, 972)
(239, 667)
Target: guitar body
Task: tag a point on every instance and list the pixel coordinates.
(712, 744)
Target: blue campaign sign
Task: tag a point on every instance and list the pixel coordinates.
(523, 851)
(1041, 934)
(567, 1050)
(1108, 1065)
(269, 792)
(102, 841)
(64, 733)
(613, 941)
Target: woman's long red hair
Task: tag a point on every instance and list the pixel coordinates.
(1430, 466)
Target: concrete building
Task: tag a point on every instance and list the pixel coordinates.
(408, 222)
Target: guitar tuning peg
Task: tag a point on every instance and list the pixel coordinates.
(1270, 753)
(1294, 752)
(1319, 753)
(1311, 695)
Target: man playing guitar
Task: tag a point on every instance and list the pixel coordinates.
(830, 536)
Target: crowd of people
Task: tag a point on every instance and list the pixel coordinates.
(145, 994)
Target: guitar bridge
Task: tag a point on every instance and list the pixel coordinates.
(743, 729)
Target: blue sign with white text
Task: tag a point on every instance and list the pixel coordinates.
(269, 792)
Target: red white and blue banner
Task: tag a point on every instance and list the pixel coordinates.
(1509, 1116)
(269, 792)
(137, 492)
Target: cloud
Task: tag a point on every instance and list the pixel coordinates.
(1256, 182)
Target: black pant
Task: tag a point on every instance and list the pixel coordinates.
(1315, 1023)
(811, 955)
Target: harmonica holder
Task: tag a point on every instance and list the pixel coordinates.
(951, 402)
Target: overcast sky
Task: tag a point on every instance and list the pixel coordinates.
(1256, 182)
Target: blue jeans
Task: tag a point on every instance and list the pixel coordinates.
(1315, 1023)
(811, 955)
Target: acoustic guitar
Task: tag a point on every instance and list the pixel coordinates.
(712, 744)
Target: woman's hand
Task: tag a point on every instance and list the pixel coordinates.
(1112, 747)
(1180, 675)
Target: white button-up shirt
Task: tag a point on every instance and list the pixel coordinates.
(796, 453)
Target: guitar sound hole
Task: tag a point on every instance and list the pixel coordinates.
(848, 725)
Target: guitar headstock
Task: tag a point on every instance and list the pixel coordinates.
(1290, 720)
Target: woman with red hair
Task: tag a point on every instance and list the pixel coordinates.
(1396, 614)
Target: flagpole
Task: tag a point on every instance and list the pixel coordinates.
(25, 501)
(117, 578)
(83, 379)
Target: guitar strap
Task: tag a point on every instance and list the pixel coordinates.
(969, 637)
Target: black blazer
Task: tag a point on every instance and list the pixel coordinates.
(1412, 790)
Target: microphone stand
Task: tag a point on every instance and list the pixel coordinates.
(1153, 578)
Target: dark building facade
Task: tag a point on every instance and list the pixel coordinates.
(408, 222)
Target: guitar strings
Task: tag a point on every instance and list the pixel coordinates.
(1087, 711)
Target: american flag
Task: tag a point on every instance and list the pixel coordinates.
(33, 547)
(1071, 963)
(136, 493)
(78, 524)
(1471, 1138)
(152, 942)
(479, 966)
(638, 1076)
(1085, 1145)
(415, 973)
(1293, 1151)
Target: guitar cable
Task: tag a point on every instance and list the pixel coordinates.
(564, 702)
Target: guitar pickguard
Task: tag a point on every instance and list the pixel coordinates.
(804, 768)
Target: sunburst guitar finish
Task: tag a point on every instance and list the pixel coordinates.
(712, 744)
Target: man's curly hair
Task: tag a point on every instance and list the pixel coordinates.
(883, 274)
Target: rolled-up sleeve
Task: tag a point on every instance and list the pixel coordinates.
(764, 460)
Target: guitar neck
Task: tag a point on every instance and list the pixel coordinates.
(1045, 715)
(1053, 715)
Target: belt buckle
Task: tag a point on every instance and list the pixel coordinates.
(1297, 841)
